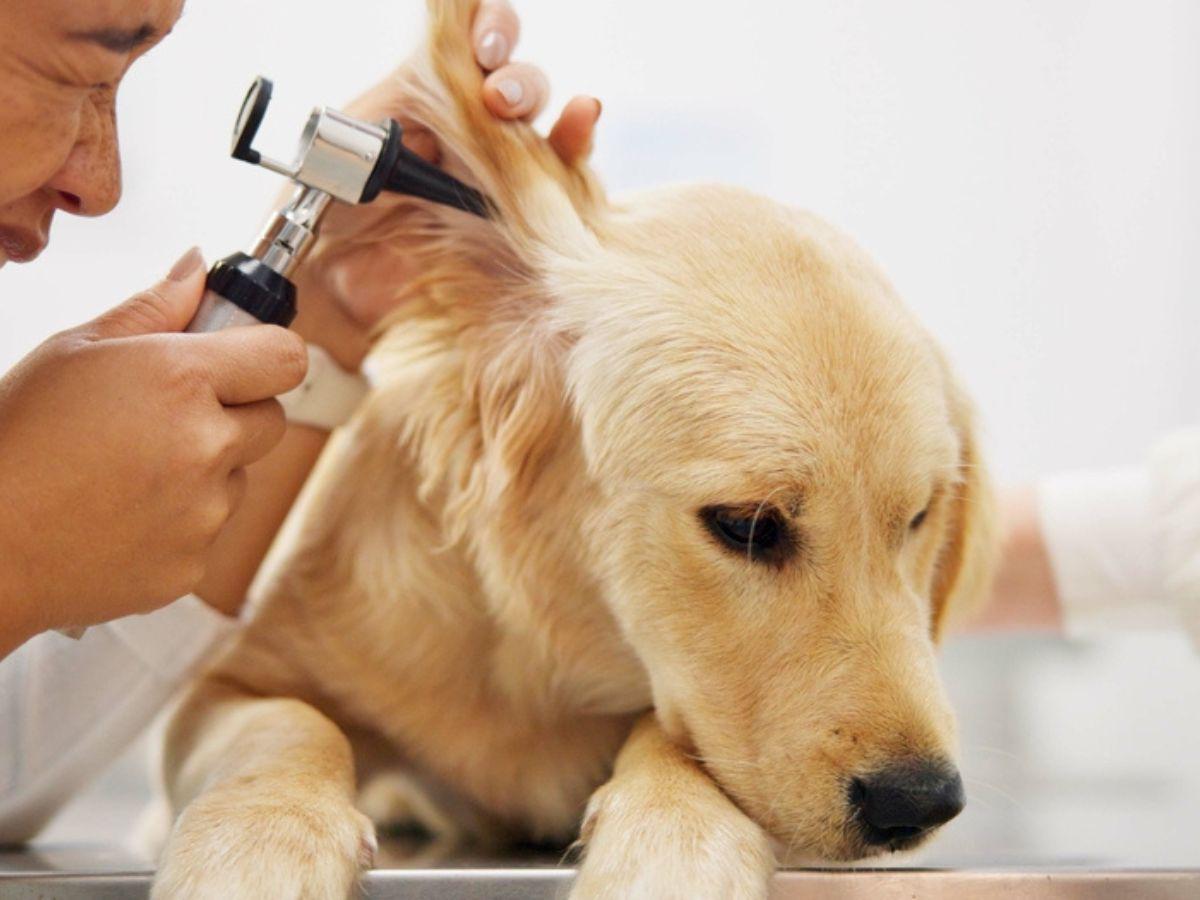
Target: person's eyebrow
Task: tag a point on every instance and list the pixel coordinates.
(118, 40)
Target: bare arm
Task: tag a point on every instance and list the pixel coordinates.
(1025, 597)
(273, 483)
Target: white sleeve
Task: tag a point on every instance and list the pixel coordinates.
(1175, 469)
(68, 708)
(1124, 544)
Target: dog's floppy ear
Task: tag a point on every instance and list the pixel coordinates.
(540, 208)
(967, 560)
(468, 367)
(539, 203)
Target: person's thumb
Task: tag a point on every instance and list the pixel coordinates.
(165, 307)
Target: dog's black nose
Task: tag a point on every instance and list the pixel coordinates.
(901, 802)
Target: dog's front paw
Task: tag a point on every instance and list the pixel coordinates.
(259, 842)
(646, 844)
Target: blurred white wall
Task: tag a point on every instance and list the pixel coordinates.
(1026, 170)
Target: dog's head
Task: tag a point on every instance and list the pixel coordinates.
(785, 500)
(793, 505)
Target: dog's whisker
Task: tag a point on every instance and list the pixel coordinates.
(999, 751)
(975, 782)
(982, 801)
(793, 840)
(740, 765)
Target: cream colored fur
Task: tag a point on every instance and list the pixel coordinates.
(501, 567)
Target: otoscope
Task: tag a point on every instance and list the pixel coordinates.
(339, 158)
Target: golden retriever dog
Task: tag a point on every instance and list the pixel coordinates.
(644, 537)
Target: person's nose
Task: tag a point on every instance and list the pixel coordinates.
(905, 800)
(89, 182)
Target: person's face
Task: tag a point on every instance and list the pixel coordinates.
(61, 62)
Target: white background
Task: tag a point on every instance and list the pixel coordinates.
(1026, 171)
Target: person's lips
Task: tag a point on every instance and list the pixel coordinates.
(19, 245)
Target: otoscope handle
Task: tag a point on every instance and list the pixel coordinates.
(242, 290)
(216, 313)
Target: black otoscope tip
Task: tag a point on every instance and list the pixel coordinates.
(401, 171)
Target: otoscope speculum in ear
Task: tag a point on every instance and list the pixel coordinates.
(339, 159)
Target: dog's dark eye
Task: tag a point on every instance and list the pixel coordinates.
(918, 519)
(759, 535)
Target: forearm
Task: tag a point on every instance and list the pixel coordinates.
(272, 485)
(21, 616)
(1086, 551)
(1025, 596)
(17, 622)
(274, 482)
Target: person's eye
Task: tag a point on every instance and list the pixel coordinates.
(757, 533)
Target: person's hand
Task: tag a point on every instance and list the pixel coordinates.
(339, 305)
(122, 449)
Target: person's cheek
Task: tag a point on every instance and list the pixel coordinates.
(37, 140)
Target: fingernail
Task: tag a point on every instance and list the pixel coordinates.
(599, 106)
(510, 89)
(492, 50)
(187, 265)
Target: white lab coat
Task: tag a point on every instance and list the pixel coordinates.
(68, 708)
(1124, 545)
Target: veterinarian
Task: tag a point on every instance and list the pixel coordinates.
(132, 454)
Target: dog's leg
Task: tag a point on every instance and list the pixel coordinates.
(266, 790)
(661, 828)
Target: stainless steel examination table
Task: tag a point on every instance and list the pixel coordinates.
(105, 874)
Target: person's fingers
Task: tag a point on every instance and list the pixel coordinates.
(251, 363)
(517, 91)
(259, 427)
(573, 133)
(494, 34)
(166, 307)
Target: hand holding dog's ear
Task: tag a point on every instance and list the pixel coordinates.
(359, 285)
(511, 90)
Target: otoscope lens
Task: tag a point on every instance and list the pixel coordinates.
(249, 118)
